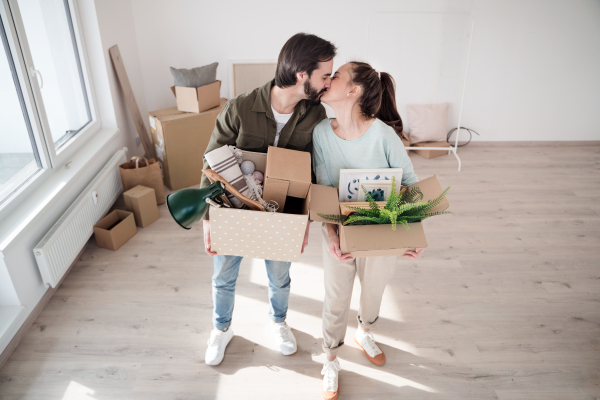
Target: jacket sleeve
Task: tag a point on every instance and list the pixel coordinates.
(225, 133)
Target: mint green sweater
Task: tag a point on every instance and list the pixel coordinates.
(379, 147)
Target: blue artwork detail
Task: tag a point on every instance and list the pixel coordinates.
(377, 194)
(355, 181)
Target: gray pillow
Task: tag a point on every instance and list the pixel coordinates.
(195, 77)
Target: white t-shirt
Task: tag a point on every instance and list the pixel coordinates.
(281, 120)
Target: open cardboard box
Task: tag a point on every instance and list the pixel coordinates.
(115, 229)
(267, 235)
(375, 240)
(196, 100)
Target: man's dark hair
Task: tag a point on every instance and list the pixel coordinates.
(302, 52)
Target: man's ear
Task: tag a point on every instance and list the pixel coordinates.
(300, 76)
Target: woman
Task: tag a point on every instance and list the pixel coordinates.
(364, 134)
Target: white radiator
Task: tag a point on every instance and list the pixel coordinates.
(57, 250)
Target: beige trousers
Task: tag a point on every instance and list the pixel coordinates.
(373, 274)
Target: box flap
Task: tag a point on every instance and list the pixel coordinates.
(276, 190)
(431, 189)
(290, 165)
(187, 98)
(323, 200)
(382, 237)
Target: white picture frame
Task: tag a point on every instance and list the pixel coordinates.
(350, 180)
(379, 190)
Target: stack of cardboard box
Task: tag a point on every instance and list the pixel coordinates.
(180, 134)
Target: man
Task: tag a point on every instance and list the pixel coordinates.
(281, 113)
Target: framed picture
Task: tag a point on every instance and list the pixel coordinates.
(351, 179)
(379, 190)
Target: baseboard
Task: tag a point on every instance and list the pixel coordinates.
(533, 143)
(9, 350)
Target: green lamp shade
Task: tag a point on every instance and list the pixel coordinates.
(187, 206)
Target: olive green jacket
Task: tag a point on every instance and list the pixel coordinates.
(247, 122)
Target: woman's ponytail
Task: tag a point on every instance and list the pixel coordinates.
(388, 112)
(378, 97)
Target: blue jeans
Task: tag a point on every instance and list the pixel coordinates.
(223, 283)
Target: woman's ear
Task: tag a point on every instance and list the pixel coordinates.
(355, 92)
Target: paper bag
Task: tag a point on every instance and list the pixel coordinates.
(140, 171)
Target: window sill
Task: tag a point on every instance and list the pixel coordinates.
(19, 216)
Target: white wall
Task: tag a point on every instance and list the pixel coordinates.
(532, 76)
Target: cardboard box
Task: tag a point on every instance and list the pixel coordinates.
(141, 200)
(266, 235)
(279, 236)
(374, 240)
(196, 100)
(287, 174)
(180, 140)
(115, 229)
(431, 153)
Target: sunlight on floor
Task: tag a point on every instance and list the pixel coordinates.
(382, 376)
(76, 391)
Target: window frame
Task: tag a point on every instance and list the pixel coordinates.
(50, 157)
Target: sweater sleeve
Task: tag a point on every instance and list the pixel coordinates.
(398, 158)
(319, 161)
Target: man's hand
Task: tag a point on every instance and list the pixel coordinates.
(414, 254)
(305, 243)
(334, 245)
(206, 226)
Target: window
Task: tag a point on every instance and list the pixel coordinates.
(46, 102)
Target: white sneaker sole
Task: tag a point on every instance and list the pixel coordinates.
(220, 359)
(285, 353)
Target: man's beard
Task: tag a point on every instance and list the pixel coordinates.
(313, 96)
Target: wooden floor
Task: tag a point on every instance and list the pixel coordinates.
(504, 304)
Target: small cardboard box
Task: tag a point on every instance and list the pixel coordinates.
(196, 100)
(431, 153)
(115, 229)
(180, 140)
(141, 200)
(287, 174)
(375, 240)
(266, 235)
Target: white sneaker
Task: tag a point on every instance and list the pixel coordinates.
(366, 342)
(330, 370)
(216, 346)
(284, 337)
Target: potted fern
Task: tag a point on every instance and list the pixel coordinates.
(401, 207)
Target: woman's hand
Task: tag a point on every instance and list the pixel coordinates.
(334, 244)
(414, 254)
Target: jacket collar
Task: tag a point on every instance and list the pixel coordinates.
(263, 101)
